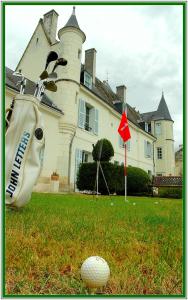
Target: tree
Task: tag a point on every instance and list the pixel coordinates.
(103, 150)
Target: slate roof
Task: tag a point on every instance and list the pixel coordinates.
(162, 112)
(105, 93)
(11, 81)
(72, 22)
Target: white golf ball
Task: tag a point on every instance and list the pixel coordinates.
(95, 272)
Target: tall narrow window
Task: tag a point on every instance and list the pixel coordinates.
(88, 117)
(159, 153)
(79, 54)
(147, 149)
(158, 129)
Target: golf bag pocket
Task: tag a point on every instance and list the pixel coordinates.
(24, 149)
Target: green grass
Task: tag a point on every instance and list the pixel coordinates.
(47, 241)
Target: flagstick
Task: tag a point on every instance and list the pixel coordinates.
(125, 172)
(125, 109)
(98, 162)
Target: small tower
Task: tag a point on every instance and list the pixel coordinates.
(71, 39)
(68, 83)
(164, 146)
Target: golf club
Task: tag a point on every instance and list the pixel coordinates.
(60, 62)
(53, 75)
(51, 57)
(44, 75)
(22, 82)
(47, 85)
(50, 86)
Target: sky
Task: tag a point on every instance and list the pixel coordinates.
(139, 46)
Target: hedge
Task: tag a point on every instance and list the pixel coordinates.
(137, 179)
(170, 192)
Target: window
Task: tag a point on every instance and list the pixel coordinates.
(158, 129)
(87, 80)
(149, 127)
(85, 156)
(78, 161)
(147, 149)
(159, 153)
(81, 156)
(88, 117)
(146, 127)
(79, 53)
(122, 144)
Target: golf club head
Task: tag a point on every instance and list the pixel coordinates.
(18, 74)
(52, 75)
(51, 57)
(60, 62)
(50, 86)
(44, 75)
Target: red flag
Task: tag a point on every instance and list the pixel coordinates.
(124, 128)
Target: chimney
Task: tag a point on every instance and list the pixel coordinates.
(50, 24)
(90, 62)
(121, 92)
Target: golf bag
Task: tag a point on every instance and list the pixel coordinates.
(24, 149)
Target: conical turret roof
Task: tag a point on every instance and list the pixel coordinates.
(162, 111)
(72, 22)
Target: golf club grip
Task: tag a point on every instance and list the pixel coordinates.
(9, 115)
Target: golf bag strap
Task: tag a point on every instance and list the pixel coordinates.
(8, 114)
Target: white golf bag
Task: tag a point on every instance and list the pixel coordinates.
(24, 149)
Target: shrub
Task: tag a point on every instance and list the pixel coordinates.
(138, 181)
(170, 192)
(86, 178)
(119, 180)
(103, 150)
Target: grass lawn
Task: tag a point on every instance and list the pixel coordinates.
(47, 241)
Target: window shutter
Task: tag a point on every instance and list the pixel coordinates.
(145, 148)
(151, 152)
(82, 114)
(78, 160)
(92, 119)
(96, 122)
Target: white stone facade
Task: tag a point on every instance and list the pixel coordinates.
(66, 143)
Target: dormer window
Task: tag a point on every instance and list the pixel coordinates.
(87, 80)
(148, 127)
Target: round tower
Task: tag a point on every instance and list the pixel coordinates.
(68, 84)
(71, 40)
(165, 163)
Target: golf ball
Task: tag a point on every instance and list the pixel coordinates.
(95, 272)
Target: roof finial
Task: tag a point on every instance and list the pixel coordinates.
(73, 11)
